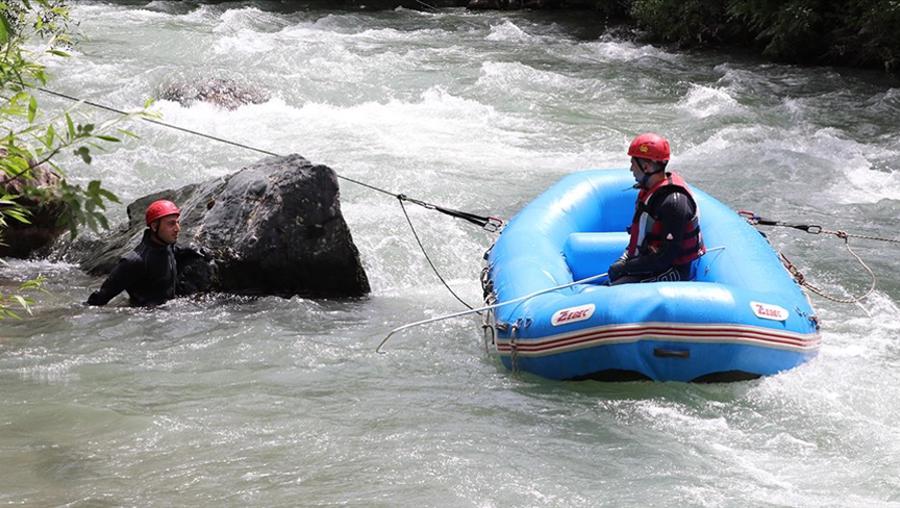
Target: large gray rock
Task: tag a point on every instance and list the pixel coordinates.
(274, 227)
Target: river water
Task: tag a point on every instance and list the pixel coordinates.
(283, 402)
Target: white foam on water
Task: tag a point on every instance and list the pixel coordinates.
(245, 41)
(508, 32)
(860, 184)
(10, 267)
(832, 166)
(122, 15)
(415, 133)
(504, 75)
(702, 101)
(245, 20)
(622, 51)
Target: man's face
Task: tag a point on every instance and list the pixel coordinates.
(636, 170)
(168, 228)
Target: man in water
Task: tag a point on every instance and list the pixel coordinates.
(149, 272)
(665, 231)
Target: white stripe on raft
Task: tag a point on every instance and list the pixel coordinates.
(670, 332)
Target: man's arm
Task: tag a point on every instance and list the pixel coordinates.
(121, 278)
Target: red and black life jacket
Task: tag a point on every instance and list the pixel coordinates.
(646, 228)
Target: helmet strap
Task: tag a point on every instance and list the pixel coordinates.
(646, 175)
(154, 233)
(644, 179)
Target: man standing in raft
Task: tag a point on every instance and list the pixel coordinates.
(149, 272)
(665, 231)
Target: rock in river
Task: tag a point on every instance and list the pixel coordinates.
(224, 92)
(272, 228)
(38, 194)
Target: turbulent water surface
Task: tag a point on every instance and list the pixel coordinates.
(274, 402)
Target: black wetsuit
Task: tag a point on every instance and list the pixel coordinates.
(674, 209)
(148, 273)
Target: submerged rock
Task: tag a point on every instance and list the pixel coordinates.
(226, 93)
(272, 228)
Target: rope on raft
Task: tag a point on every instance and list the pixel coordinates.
(813, 229)
(486, 307)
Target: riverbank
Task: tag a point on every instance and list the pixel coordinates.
(848, 34)
(802, 32)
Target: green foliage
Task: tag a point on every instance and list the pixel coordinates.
(855, 32)
(868, 34)
(29, 140)
(609, 9)
(9, 301)
(789, 31)
(686, 22)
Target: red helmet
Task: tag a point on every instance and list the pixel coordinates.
(650, 146)
(159, 209)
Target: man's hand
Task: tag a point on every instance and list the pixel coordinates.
(616, 270)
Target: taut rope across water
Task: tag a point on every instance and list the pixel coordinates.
(488, 223)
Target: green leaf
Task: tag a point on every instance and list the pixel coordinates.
(85, 154)
(9, 313)
(22, 302)
(41, 76)
(4, 29)
(32, 284)
(111, 139)
(32, 109)
(20, 215)
(51, 136)
(59, 52)
(71, 126)
(109, 196)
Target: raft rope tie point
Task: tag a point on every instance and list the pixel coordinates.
(814, 229)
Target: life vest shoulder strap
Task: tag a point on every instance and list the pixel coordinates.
(649, 199)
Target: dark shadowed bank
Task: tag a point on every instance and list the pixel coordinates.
(854, 33)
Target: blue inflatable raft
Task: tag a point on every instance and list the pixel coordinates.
(743, 317)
